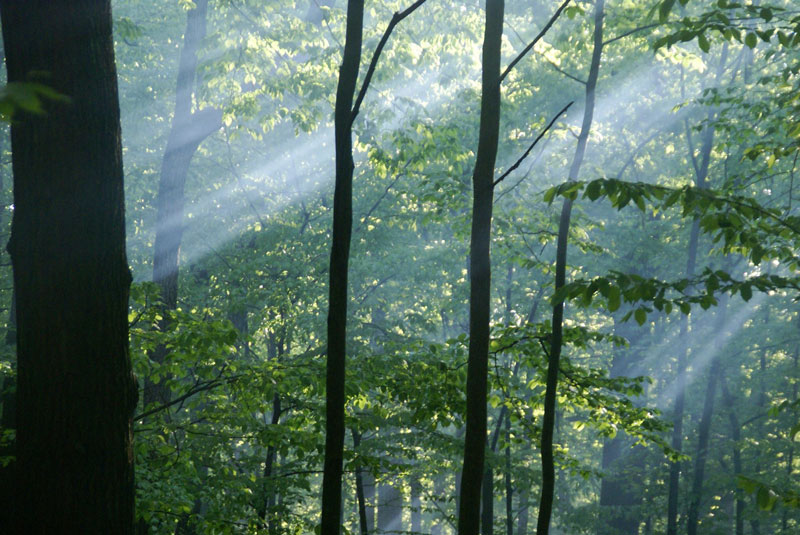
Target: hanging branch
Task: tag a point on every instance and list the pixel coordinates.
(535, 40)
(535, 141)
(396, 18)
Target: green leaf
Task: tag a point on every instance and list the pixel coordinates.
(751, 39)
(702, 42)
(640, 316)
(746, 291)
(613, 298)
(664, 9)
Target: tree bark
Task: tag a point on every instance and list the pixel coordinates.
(548, 419)
(340, 258)
(480, 275)
(75, 390)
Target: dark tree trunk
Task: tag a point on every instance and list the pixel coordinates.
(8, 387)
(75, 389)
(340, 258)
(469, 507)
(360, 498)
(548, 419)
(487, 502)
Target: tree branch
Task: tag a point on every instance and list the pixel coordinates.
(396, 18)
(533, 43)
(535, 141)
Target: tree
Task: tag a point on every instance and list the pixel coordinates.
(75, 392)
(557, 339)
(480, 274)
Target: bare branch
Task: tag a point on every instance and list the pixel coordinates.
(396, 18)
(535, 141)
(533, 43)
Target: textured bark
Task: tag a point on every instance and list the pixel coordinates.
(548, 419)
(75, 390)
(340, 258)
(469, 506)
(8, 386)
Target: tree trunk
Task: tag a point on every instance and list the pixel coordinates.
(416, 505)
(704, 430)
(739, 504)
(360, 499)
(390, 508)
(509, 487)
(618, 492)
(75, 389)
(548, 420)
(480, 275)
(340, 258)
(188, 130)
(701, 174)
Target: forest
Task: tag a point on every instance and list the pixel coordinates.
(400, 267)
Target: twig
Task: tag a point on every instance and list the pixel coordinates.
(565, 73)
(631, 32)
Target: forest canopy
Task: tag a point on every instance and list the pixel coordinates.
(400, 267)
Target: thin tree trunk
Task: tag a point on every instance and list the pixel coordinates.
(361, 500)
(416, 505)
(704, 430)
(790, 453)
(390, 508)
(275, 352)
(340, 258)
(75, 389)
(480, 275)
(548, 420)
(618, 493)
(739, 504)
(509, 487)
